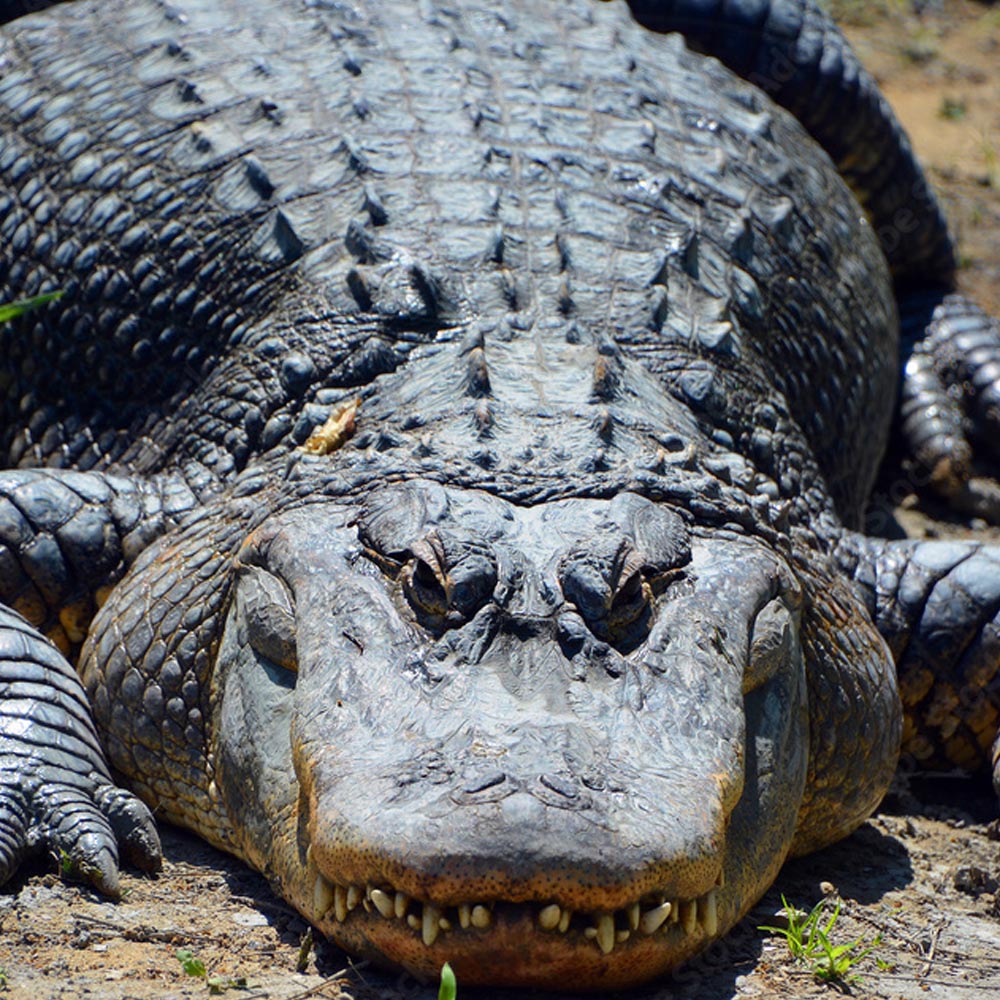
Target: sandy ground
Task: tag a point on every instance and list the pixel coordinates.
(922, 874)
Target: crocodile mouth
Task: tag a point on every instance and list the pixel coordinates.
(653, 915)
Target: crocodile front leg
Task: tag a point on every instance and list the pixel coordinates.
(65, 537)
(937, 604)
(56, 794)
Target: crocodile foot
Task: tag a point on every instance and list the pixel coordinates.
(950, 396)
(56, 794)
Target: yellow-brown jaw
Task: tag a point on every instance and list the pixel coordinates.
(519, 944)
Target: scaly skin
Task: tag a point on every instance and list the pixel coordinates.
(451, 515)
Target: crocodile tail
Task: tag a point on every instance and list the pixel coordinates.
(792, 50)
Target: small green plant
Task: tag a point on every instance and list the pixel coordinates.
(953, 109)
(14, 309)
(194, 966)
(809, 942)
(449, 987)
(3, 977)
(305, 950)
(923, 46)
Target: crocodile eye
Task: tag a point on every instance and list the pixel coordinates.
(770, 644)
(609, 589)
(450, 577)
(425, 589)
(630, 603)
(266, 610)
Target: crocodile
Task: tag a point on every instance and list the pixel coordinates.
(439, 482)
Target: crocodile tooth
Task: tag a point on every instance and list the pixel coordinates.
(633, 913)
(383, 903)
(354, 896)
(564, 920)
(549, 917)
(675, 911)
(590, 933)
(414, 921)
(689, 915)
(481, 917)
(322, 897)
(710, 912)
(445, 924)
(721, 880)
(622, 936)
(430, 926)
(652, 920)
(464, 915)
(340, 903)
(606, 933)
(401, 902)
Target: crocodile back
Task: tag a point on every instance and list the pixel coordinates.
(254, 209)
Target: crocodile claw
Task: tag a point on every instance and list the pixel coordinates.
(80, 823)
(56, 794)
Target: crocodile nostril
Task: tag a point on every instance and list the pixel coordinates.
(560, 785)
(481, 782)
(485, 786)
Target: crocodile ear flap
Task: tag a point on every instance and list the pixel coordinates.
(658, 532)
(396, 516)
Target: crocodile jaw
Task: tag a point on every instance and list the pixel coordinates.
(527, 945)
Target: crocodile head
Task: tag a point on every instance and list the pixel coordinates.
(554, 745)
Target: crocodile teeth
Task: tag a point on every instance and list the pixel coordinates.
(431, 924)
(383, 903)
(549, 917)
(607, 929)
(322, 897)
(652, 920)
(689, 915)
(606, 933)
(710, 912)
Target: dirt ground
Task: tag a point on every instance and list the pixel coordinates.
(922, 874)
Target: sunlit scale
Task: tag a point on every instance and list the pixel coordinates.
(653, 914)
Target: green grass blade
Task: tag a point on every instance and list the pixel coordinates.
(449, 987)
(14, 309)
